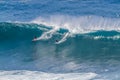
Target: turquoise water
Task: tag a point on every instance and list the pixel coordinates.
(87, 34)
(96, 52)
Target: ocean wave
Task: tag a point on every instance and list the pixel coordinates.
(59, 40)
(27, 31)
(72, 53)
(80, 24)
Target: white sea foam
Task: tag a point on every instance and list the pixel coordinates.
(63, 39)
(47, 35)
(36, 75)
(79, 24)
(76, 25)
(116, 37)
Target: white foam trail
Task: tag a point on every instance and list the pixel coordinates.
(80, 24)
(76, 25)
(47, 35)
(35, 75)
(63, 39)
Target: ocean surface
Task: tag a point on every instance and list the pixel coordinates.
(76, 40)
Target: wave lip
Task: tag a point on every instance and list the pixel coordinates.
(79, 24)
(45, 32)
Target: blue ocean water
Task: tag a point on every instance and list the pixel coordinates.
(76, 39)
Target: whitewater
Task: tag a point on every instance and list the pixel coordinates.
(76, 40)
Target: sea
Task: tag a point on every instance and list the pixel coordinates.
(76, 40)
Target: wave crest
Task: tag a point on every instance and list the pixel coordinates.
(79, 24)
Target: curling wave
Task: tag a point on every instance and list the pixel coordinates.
(76, 53)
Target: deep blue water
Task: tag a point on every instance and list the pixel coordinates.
(26, 10)
(87, 31)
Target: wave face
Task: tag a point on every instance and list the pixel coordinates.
(95, 53)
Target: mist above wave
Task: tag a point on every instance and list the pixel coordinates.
(79, 24)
